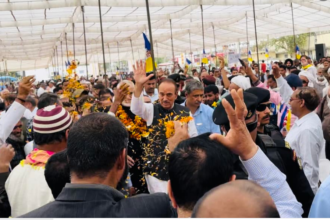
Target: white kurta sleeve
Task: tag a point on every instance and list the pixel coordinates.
(144, 110)
(285, 90)
(10, 119)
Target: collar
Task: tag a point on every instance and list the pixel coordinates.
(89, 192)
(306, 67)
(155, 92)
(304, 119)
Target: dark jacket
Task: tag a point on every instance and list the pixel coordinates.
(100, 201)
(5, 209)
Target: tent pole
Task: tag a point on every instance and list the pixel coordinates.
(109, 56)
(62, 59)
(118, 64)
(86, 61)
(132, 48)
(247, 35)
(173, 57)
(57, 63)
(215, 45)
(151, 41)
(203, 29)
(101, 25)
(255, 30)
(74, 46)
(67, 52)
(293, 27)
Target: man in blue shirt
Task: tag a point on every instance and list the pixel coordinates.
(320, 206)
(202, 113)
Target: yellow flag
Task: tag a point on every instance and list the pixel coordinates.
(149, 67)
(205, 60)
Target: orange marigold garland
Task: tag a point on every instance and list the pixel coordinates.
(137, 128)
(169, 125)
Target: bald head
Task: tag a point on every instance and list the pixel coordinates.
(237, 199)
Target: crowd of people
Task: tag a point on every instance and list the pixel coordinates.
(186, 144)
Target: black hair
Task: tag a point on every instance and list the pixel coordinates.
(57, 172)
(295, 72)
(310, 96)
(99, 86)
(271, 77)
(283, 67)
(31, 100)
(2, 106)
(94, 145)
(196, 166)
(104, 91)
(52, 138)
(57, 89)
(47, 99)
(10, 98)
(64, 80)
(211, 88)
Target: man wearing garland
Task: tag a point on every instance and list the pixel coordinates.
(159, 117)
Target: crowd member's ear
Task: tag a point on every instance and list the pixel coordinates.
(67, 133)
(170, 194)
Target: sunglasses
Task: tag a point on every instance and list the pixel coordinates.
(262, 107)
(304, 82)
(252, 126)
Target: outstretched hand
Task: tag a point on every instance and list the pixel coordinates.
(243, 146)
(25, 86)
(276, 71)
(140, 75)
(7, 153)
(180, 134)
(121, 93)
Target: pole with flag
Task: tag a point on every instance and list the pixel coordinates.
(149, 61)
(267, 53)
(250, 56)
(298, 54)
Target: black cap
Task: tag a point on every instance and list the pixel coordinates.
(175, 77)
(220, 116)
(262, 94)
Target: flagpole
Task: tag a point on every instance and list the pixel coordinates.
(255, 30)
(293, 27)
(172, 40)
(247, 36)
(83, 15)
(102, 39)
(151, 41)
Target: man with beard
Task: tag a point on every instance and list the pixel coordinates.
(211, 94)
(26, 185)
(97, 155)
(17, 142)
(156, 115)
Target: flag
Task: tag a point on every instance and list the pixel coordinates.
(146, 42)
(204, 59)
(267, 53)
(250, 56)
(149, 67)
(298, 54)
(188, 61)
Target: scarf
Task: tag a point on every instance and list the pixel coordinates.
(37, 158)
(306, 67)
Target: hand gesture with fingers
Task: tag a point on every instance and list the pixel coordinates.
(25, 86)
(121, 93)
(243, 146)
(140, 75)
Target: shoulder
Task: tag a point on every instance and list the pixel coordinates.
(180, 107)
(207, 108)
(154, 205)
(46, 211)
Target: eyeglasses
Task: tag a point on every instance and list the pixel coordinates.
(18, 126)
(262, 107)
(253, 125)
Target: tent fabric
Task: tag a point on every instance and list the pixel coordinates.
(30, 30)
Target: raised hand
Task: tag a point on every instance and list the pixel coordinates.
(276, 71)
(180, 134)
(7, 153)
(25, 86)
(140, 75)
(243, 146)
(121, 93)
(222, 62)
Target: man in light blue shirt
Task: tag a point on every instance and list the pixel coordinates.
(150, 89)
(202, 113)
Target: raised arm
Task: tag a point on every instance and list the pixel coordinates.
(225, 79)
(259, 167)
(284, 88)
(138, 107)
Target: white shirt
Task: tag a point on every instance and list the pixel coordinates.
(9, 120)
(50, 89)
(29, 115)
(306, 138)
(27, 189)
(40, 91)
(154, 97)
(284, 89)
(146, 111)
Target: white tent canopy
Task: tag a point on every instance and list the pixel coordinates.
(30, 30)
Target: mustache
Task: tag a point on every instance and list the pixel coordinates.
(266, 117)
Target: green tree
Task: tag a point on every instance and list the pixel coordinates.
(287, 43)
